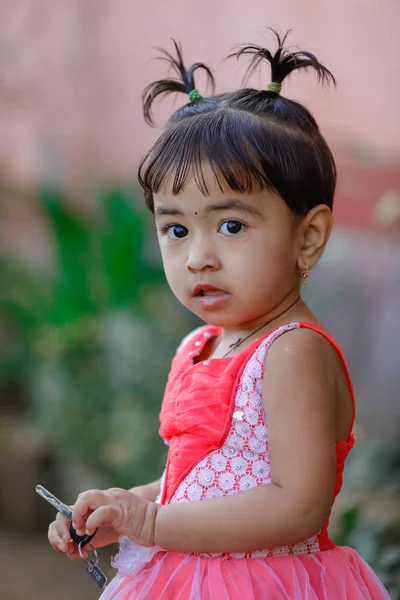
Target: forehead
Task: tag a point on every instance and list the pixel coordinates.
(194, 204)
(198, 196)
(191, 199)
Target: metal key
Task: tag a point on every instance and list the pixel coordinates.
(92, 567)
(55, 502)
(66, 512)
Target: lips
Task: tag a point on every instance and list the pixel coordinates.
(209, 297)
(204, 290)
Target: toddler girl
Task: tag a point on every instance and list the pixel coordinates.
(259, 407)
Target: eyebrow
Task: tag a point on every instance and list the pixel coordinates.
(231, 204)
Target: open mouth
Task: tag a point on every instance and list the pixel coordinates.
(205, 293)
(205, 290)
(210, 297)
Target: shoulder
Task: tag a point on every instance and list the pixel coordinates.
(182, 357)
(192, 336)
(301, 372)
(305, 350)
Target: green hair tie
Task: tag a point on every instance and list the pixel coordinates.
(274, 87)
(194, 95)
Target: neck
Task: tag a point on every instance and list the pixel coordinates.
(291, 308)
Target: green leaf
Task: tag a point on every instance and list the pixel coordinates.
(349, 520)
(126, 270)
(73, 246)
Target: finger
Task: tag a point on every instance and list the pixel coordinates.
(59, 545)
(60, 517)
(102, 516)
(73, 553)
(62, 531)
(61, 526)
(55, 537)
(86, 503)
(52, 531)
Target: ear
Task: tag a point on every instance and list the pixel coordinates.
(314, 234)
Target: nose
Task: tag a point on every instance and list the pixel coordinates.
(202, 255)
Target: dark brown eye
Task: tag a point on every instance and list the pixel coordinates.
(177, 232)
(231, 227)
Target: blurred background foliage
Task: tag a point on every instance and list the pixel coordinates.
(87, 339)
(369, 520)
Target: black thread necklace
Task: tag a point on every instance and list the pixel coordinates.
(240, 341)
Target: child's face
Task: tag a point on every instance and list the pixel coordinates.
(244, 245)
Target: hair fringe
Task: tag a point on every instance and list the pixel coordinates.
(252, 139)
(283, 62)
(184, 83)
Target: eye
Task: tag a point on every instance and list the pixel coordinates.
(231, 227)
(175, 232)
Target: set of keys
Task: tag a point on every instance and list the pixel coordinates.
(92, 567)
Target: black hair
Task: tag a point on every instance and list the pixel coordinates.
(251, 139)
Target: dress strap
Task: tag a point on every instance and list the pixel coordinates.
(192, 344)
(190, 336)
(342, 357)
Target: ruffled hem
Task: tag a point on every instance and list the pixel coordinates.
(330, 575)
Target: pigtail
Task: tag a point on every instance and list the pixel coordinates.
(184, 83)
(250, 139)
(282, 63)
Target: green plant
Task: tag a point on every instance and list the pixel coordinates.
(92, 336)
(367, 525)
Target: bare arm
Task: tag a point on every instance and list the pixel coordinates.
(299, 394)
(149, 491)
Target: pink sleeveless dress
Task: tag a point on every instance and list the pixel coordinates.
(213, 419)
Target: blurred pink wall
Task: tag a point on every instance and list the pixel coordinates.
(76, 71)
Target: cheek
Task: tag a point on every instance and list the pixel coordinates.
(265, 262)
(173, 268)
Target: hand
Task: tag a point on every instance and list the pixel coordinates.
(118, 509)
(60, 538)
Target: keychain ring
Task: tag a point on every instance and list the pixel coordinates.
(96, 556)
(92, 567)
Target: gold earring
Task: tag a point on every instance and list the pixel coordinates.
(304, 275)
